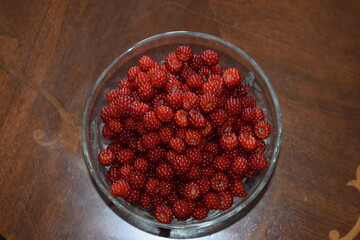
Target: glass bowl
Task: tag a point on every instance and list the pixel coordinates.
(157, 47)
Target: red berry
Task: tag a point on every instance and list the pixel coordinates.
(152, 186)
(129, 124)
(164, 113)
(181, 209)
(239, 166)
(190, 101)
(173, 85)
(158, 78)
(138, 109)
(137, 180)
(125, 156)
(145, 201)
(247, 142)
(156, 155)
(247, 114)
(218, 117)
(244, 89)
(163, 214)
(212, 148)
(194, 155)
(125, 171)
(145, 63)
(226, 200)
(259, 115)
(105, 115)
(113, 173)
(133, 196)
(181, 164)
(200, 213)
(260, 146)
(219, 182)
(112, 95)
(133, 72)
(208, 129)
(228, 141)
(193, 138)
(146, 92)
(262, 129)
(248, 102)
(181, 118)
(257, 161)
(208, 103)
(150, 140)
(232, 78)
(141, 79)
(115, 125)
(165, 188)
(177, 145)
(246, 129)
(204, 185)
(221, 163)
(164, 171)
(212, 201)
(106, 157)
(184, 53)
(210, 57)
(175, 99)
(141, 165)
(120, 188)
(196, 62)
(217, 69)
(194, 172)
(195, 81)
(233, 106)
(238, 188)
(212, 87)
(191, 191)
(166, 134)
(187, 72)
(173, 63)
(151, 122)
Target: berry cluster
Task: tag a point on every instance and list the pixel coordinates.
(184, 135)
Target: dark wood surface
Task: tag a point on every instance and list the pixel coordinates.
(51, 53)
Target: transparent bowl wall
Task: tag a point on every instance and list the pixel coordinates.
(157, 47)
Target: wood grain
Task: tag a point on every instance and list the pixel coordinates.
(51, 52)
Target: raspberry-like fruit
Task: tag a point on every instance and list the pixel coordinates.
(175, 99)
(120, 188)
(212, 87)
(112, 95)
(257, 161)
(177, 145)
(145, 63)
(195, 81)
(232, 78)
(151, 122)
(221, 163)
(141, 165)
(218, 117)
(181, 209)
(125, 156)
(210, 57)
(164, 113)
(158, 78)
(106, 157)
(193, 138)
(208, 103)
(247, 141)
(247, 114)
(181, 164)
(163, 214)
(190, 101)
(259, 115)
(115, 125)
(212, 201)
(173, 63)
(226, 200)
(191, 191)
(184, 53)
(166, 134)
(239, 165)
(238, 188)
(181, 118)
(164, 171)
(200, 213)
(138, 109)
(219, 182)
(228, 141)
(137, 180)
(262, 129)
(146, 92)
(233, 106)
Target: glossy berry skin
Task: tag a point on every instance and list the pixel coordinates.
(210, 57)
(257, 161)
(106, 157)
(212, 201)
(184, 53)
(120, 188)
(239, 166)
(163, 214)
(232, 78)
(247, 142)
(262, 129)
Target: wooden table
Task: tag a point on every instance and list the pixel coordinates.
(51, 53)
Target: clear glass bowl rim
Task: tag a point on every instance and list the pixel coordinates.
(277, 143)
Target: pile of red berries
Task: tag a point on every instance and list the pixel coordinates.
(184, 134)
